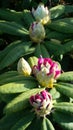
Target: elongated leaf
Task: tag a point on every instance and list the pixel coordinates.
(57, 35)
(58, 49)
(11, 15)
(13, 54)
(67, 20)
(8, 48)
(17, 79)
(57, 11)
(8, 97)
(62, 27)
(47, 125)
(65, 90)
(44, 51)
(23, 123)
(36, 124)
(69, 85)
(9, 120)
(67, 76)
(41, 51)
(54, 48)
(68, 8)
(28, 18)
(13, 28)
(38, 52)
(7, 76)
(64, 107)
(21, 102)
(64, 119)
(18, 87)
(67, 47)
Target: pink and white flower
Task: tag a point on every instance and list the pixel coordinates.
(47, 71)
(42, 103)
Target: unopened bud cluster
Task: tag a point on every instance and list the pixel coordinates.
(36, 29)
(42, 103)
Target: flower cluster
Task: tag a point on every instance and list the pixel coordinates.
(47, 71)
(42, 103)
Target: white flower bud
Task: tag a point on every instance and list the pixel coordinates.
(37, 32)
(23, 67)
(41, 14)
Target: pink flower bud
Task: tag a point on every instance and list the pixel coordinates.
(47, 71)
(42, 103)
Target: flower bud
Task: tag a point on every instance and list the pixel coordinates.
(47, 71)
(23, 67)
(37, 32)
(42, 103)
(33, 61)
(41, 14)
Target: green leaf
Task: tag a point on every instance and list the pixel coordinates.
(69, 85)
(15, 77)
(54, 48)
(18, 86)
(57, 11)
(68, 8)
(67, 20)
(47, 125)
(36, 124)
(9, 47)
(9, 120)
(62, 27)
(66, 76)
(13, 52)
(8, 74)
(41, 51)
(21, 102)
(44, 51)
(11, 15)
(8, 97)
(23, 123)
(64, 89)
(28, 19)
(64, 120)
(68, 47)
(57, 35)
(13, 28)
(64, 107)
